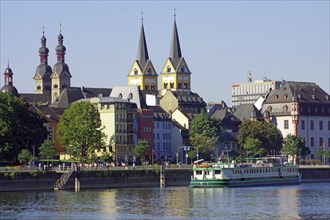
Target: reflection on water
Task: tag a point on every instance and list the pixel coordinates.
(305, 201)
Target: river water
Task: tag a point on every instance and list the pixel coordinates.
(304, 201)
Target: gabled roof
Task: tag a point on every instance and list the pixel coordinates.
(228, 120)
(159, 113)
(188, 97)
(72, 94)
(303, 92)
(247, 111)
(36, 98)
(130, 93)
(49, 113)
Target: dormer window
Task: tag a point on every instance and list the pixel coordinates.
(276, 97)
(135, 72)
(182, 69)
(285, 108)
(149, 71)
(285, 96)
(130, 96)
(169, 69)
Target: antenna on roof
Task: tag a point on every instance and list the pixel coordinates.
(43, 30)
(142, 17)
(60, 26)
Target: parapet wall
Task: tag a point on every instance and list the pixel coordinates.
(29, 181)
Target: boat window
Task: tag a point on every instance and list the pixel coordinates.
(218, 172)
(198, 172)
(207, 172)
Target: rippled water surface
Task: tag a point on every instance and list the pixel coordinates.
(305, 201)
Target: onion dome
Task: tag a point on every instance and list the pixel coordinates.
(8, 87)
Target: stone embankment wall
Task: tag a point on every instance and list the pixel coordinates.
(24, 181)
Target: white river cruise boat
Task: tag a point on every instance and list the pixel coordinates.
(260, 171)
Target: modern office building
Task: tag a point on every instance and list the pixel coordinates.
(249, 92)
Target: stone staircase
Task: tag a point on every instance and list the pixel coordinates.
(62, 180)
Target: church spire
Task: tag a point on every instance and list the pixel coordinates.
(175, 51)
(60, 48)
(43, 50)
(142, 55)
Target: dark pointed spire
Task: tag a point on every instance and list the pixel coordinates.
(175, 51)
(142, 55)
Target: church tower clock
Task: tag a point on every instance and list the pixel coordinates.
(175, 75)
(143, 73)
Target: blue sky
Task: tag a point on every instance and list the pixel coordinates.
(220, 40)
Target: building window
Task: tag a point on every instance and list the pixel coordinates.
(182, 69)
(149, 71)
(55, 86)
(321, 141)
(302, 124)
(168, 69)
(276, 97)
(312, 125)
(135, 72)
(172, 85)
(147, 86)
(165, 85)
(312, 142)
(285, 108)
(38, 87)
(286, 124)
(320, 125)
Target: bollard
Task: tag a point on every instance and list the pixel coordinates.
(162, 175)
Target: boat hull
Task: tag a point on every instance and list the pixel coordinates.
(242, 183)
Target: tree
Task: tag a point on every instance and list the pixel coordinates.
(323, 153)
(295, 146)
(47, 150)
(79, 130)
(270, 137)
(203, 135)
(253, 147)
(20, 128)
(141, 148)
(24, 156)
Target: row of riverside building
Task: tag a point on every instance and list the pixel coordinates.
(162, 115)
